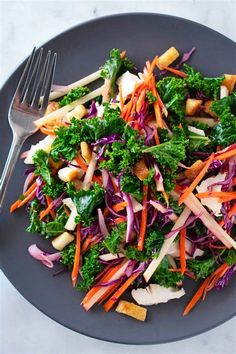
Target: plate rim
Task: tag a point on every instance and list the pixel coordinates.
(5, 82)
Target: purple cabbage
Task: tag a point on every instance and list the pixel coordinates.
(224, 280)
(29, 170)
(39, 193)
(58, 201)
(92, 110)
(188, 223)
(185, 57)
(109, 140)
(130, 216)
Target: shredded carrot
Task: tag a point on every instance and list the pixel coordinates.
(143, 219)
(226, 196)
(217, 247)
(140, 100)
(16, 204)
(165, 195)
(156, 105)
(47, 131)
(119, 220)
(121, 97)
(106, 212)
(201, 292)
(175, 71)
(130, 103)
(75, 269)
(84, 167)
(45, 212)
(25, 200)
(108, 305)
(105, 278)
(109, 291)
(232, 211)
(52, 212)
(119, 206)
(182, 240)
(196, 180)
(152, 66)
(226, 155)
(66, 211)
(157, 141)
(86, 243)
(161, 104)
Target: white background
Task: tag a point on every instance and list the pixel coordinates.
(24, 24)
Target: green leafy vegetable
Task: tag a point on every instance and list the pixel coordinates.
(91, 267)
(164, 277)
(54, 189)
(87, 201)
(53, 228)
(224, 133)
(68, 255)
(173, 93)
(114, 67)
(122, 156)
(230, 257)
(40, 159)
(169, 154)
(36, 225)
(73, 95)
(202, 267)
(196, 83)
(132, 185)
(197, 142)
(112, 242)
(150, 97)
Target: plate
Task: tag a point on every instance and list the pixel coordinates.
(81, 50)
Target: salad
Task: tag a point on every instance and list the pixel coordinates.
(134, 183)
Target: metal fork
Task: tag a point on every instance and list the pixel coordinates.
(29, 103)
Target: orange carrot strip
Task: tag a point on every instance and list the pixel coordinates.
(75, 270)
(200, 292)
(27, 198)
(105, 278)
(47, 131)
(52, 212)
(217, 247)
(81, 163)
(108, 305)
(140, 100)
(196, 180)
(143, 219)
(119, 206)
(157, 109)
(121, 97)
(16, 204)
(119, 220)
(66, 211)
(86, 243)
(225, 195)
(175, 71)
(152, 66)
(161, 104)
(232, 211)
(226, 155)
(157, 141)
(106, 212)
(182, 240)
(109, 291)
(45, 212)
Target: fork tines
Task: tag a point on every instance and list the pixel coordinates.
(35, 83)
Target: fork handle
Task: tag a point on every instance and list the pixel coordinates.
(16, 145)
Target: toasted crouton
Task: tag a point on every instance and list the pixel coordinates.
(192, 105)
(229, 81)
(78, 112)
(55, 164)
(85, 151)
(141, 170)
(62, 240)
(192, 172)
(168, 57)
(132, 310)
(67, 174)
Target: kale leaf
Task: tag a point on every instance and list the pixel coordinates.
(196, 83)
(132, 185)
(114, 67)
(202, 267)
(73, 95)
(112, 241)
(40, 159)
(68, 255)
(36, 225)
(90, 268)
(197, 142)
(164, 277)
(170, 153)
(224, 133)
(230, 257)
(54, 189)
(150, 97)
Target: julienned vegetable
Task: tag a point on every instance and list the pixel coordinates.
(139, 189)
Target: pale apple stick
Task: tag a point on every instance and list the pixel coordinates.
(61, 112)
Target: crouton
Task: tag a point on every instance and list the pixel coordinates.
(67, 174)
(132, 310)
(192, 105)
(141, 170)
(192, 172)
(52, 106)
(229, 81)
(78, 112)
(85, 151)
(168, 57)
(62, 240)
(55, 164)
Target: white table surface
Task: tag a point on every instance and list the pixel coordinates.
(24, 24)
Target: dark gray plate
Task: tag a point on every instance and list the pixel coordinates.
(81, 51)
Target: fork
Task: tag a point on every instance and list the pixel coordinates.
(29, 103)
